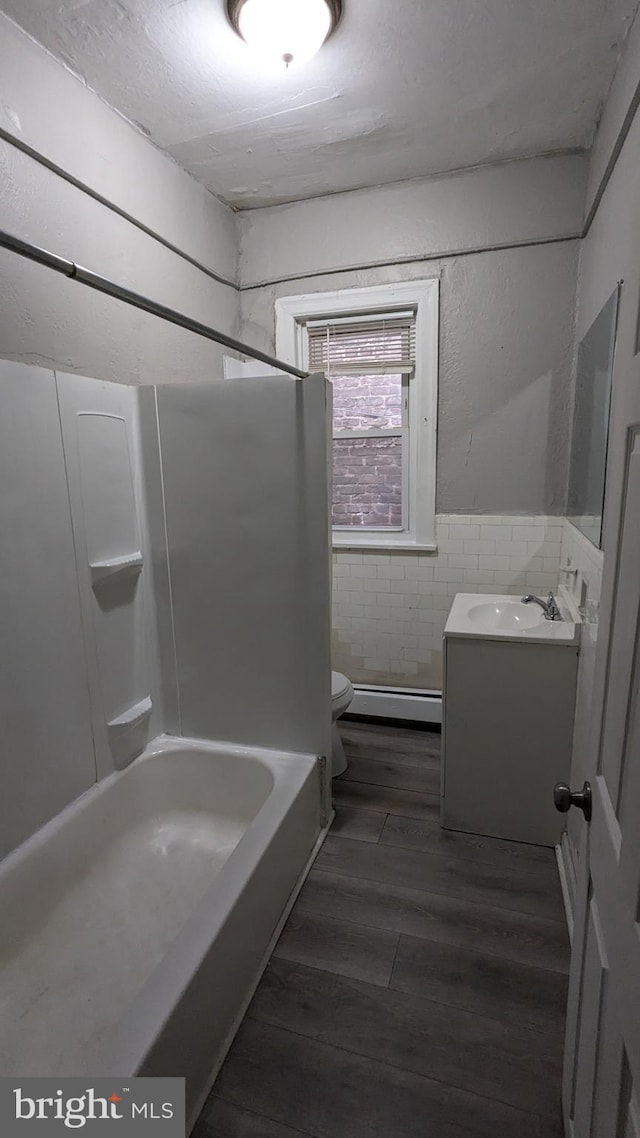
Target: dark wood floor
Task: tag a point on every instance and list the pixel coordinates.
(418, 988)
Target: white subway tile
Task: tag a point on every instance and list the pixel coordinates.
(406, 640)
(444, 588)
(493, 562)
(463, 561)
(478, 577)
(404, 616)
(511, 548)
(528, 564)
(411, 586)
(349, 584)
(358, 598)
(422, 628)
(361, 571)
(528, 533)
(505, 577)
(495, 532)
(406, 561)
(446, 547)
(417, 655)
(361, 624)
(553, 536)
(340, 623)
(350, 610)
(391, 572)
(480, 546)
(390, 626)
(447, 573)
(464, 532)
(417, 573)
(537, 582)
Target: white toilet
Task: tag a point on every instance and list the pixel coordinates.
(341, 696)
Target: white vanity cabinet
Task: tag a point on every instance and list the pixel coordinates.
(509, 701)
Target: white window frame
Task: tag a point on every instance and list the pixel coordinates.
(292, 347)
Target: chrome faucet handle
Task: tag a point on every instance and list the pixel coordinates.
(552, 606)
(549, 607)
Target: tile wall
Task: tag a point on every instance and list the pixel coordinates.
(389, 609)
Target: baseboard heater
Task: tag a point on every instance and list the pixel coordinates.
(418, 705)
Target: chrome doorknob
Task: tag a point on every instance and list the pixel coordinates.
(564, 798)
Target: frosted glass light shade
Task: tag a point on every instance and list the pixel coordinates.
(286, 31)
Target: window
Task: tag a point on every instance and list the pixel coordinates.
(379, 348)
(369, 360)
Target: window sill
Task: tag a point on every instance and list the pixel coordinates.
(382, 543)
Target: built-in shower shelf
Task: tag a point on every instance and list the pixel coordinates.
(132, 717)
(128, 565)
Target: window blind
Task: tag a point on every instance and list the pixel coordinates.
(373, 345)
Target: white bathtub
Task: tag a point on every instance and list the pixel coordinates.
(136, 923)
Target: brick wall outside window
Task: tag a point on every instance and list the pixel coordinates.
(367, 473)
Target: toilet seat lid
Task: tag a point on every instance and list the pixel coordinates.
(340, 685)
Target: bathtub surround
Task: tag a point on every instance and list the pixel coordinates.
(101, 438)
(126, 615)
(45, 714)
(242, 521)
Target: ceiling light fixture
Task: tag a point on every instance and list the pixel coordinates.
(288, 31)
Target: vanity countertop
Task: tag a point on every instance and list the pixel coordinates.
(494, 616)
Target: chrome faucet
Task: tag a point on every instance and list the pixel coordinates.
(549, 607)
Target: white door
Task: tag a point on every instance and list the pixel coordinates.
(602, 1059)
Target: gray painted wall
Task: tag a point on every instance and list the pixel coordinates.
(507, 314)
(49, 320)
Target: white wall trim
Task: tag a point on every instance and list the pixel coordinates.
(292, 347)
(396, 704)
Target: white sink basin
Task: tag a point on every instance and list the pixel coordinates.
(495, 616)
(505, 616)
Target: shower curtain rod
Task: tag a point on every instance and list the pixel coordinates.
(137, 300)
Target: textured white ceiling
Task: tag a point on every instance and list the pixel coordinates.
(403, 88)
